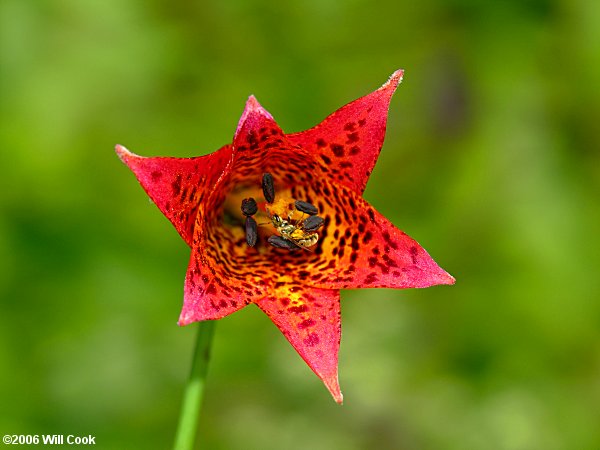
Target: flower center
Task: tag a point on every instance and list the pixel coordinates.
(295, 222)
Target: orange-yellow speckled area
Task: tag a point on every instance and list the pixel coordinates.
(327, 166)
(284, 208)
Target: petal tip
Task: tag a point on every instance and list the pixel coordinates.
(394, 80)
(185, 318)
(333, 386)
(450, 279)
(252, 102)
(122, 152)
(252, 108)
(441, 277)
(398, 75)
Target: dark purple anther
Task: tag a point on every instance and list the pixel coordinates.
(268, 187)
(306, 207)
(279, 242)
(249, 206)
(313, 223)
(251, 231)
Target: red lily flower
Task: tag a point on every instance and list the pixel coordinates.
(326, 168)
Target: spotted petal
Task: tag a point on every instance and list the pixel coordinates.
(347, 143)
(260, 146)
(178, 186)
(361, 248)
(218, 280)
(310, 320)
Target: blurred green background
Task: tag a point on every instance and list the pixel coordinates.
(491, 161)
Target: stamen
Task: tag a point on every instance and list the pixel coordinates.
(312, 223)
(268, 187)
(251, 231)
(279, 242)
(294, 221)
(306, 207)
(249, 206)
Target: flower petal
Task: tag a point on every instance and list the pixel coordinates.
(310, 320)
(347, 143)
(178, 186)
(221, 278)
(260, 146)
(361, 248)
(209, 295)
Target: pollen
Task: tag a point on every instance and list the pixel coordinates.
(282, 207)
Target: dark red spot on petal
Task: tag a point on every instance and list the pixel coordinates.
(371, 215)
(303, 274)
(298, 309)
(389, 261)
(352, 137)
(311, 340)
(413, 254)
(306, 323)
(371, 278)
(176, 185)
(338, 150)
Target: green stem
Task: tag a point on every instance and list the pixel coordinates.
(194, 390)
